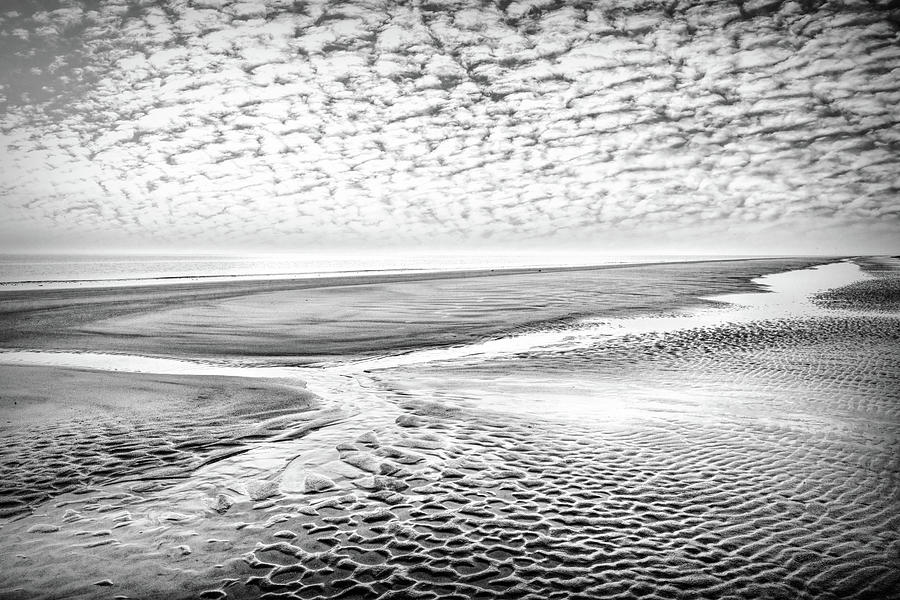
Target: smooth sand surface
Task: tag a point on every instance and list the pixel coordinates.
(306, 321)
(753, 459)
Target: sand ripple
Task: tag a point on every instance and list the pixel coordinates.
(881, 294)
(197, 422)
(444, 502)
(760, 462)
(664, 510)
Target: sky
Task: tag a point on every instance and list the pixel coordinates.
(754, 127)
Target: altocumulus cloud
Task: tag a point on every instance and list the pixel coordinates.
(292, 122)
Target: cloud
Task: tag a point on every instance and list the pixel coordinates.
(281, 124)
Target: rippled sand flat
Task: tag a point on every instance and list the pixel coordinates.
(753, 459)
(67, 430)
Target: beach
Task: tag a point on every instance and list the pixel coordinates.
(711, 429)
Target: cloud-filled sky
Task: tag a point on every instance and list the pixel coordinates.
(759, 125)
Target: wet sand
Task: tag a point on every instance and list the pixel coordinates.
(306, 321)
(732, 458)
(66, 430)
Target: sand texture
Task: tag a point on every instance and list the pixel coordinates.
(879, 294)
(748, 459)
(65, 430)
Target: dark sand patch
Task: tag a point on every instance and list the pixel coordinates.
(308, 320)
